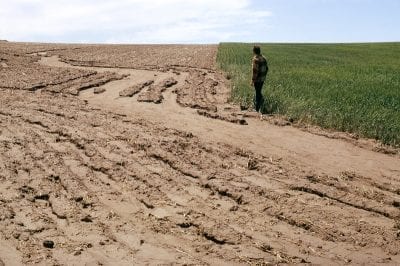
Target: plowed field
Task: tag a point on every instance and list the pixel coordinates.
(121, 155)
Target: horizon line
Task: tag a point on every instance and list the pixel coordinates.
(184, 43)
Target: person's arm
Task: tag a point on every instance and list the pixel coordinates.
(255, 71)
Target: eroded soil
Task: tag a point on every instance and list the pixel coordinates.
(121, 155)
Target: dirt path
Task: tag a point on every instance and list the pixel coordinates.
(318, 153)
(147, 180)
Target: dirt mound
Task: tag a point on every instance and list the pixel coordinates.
(228, 118)
(154, 92)
(129, 92)
(203, 90)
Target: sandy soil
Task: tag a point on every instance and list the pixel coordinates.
(121, 155)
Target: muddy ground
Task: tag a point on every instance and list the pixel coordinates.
(121, 155)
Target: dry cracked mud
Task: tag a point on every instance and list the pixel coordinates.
(108, 179)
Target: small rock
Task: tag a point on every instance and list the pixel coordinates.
(141, 241)
(252, 164)
(99, 90)
(78, 199)
(24, 237)
(87, 219)
(211, 177)
(74, 92)
(42, 197)
(242, 122)
(265, 247)
(16, 235)
(234, 208)
(55, 178)
(48, 244)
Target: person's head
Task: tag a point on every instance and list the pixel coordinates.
(256, 50)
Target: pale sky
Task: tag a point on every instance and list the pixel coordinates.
(201, 21)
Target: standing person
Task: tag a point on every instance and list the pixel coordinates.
(260, 70)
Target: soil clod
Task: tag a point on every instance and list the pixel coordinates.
(48, 244)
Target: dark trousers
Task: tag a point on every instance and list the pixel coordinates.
(258, 98)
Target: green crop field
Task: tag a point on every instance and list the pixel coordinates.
(348, 87)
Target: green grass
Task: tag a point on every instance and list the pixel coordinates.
(348, 87)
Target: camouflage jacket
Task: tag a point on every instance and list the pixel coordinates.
(260, 68)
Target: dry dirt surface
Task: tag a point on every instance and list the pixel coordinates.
(121, 155)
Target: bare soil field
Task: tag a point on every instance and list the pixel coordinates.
(121, 155)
